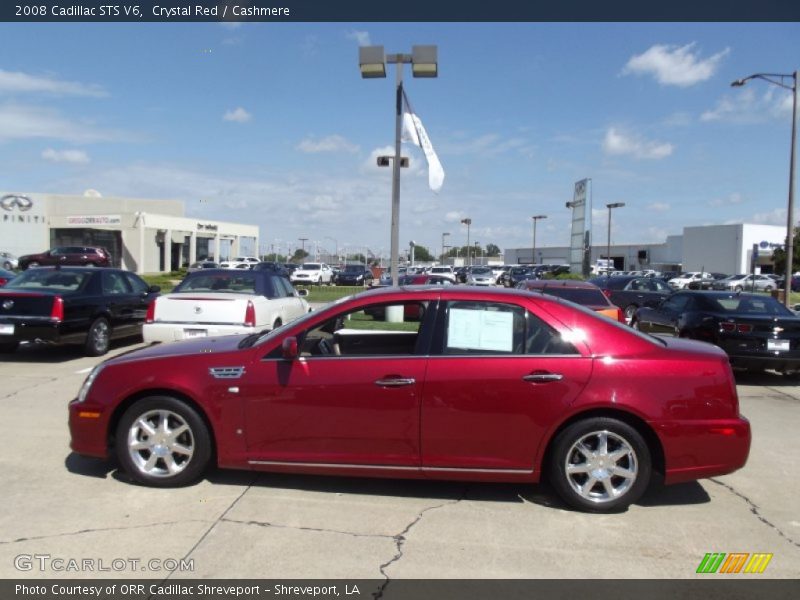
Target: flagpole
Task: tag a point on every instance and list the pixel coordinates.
(398, 126)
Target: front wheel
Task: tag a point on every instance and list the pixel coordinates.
(32, 264)
(163, 442)
(99, 338)
(600, 464)
(768, 289)
(738, 288)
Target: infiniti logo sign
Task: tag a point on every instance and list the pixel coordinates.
(12, 201)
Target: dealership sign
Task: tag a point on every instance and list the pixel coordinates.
(15, 208)
(95, 220)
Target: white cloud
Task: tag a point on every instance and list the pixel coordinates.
(487, 145)
(659, 206)
(674, 65)
(231, 24)
(237, 115)
(773, 217)
(19, 83)
(30, 122)
(362, 37)
(620, 143)
(748, 106)
(76, 157)
(731, 200)
(331, 143)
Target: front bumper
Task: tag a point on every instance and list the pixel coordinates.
(88, 426)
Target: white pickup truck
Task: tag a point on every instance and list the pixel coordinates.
(215, 302)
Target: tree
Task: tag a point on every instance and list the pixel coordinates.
(299, 255)
(421, 253)
(779, 255)
(493, 250)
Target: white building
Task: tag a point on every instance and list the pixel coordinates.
(713, 248)
(143, 235)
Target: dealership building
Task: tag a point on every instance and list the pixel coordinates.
(712, 248)
(142, 235)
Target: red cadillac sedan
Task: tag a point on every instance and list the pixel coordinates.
(487, 385)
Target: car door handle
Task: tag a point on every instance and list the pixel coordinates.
(395, 381)
(542, 377)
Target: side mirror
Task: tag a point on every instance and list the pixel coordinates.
(154, 289)
(302, 293)
(289, 348)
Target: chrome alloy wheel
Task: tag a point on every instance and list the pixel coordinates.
(160, 443)
(601, 466)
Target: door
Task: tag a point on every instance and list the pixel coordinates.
(121, 303)
(498, 378)
(340, 403)
(664, 319)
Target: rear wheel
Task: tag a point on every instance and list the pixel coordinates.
(600, 465)
(163, 442)
(99, 338)
(277, 323)
(630, 311)
(33, 264)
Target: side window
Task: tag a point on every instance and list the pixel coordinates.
(137, 285)
(484, 328)
(675, 303)
(287, 288)
(367, 332)
(114, 284)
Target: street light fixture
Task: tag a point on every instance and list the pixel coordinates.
(778, 79)
(533, 248)
(608, 249)
(372, 62)
(467, 222)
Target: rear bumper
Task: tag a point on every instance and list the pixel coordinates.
(698, 449)
(173, 332)
(778, 363)
(28, 331)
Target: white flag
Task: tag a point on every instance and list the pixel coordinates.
(414, 132)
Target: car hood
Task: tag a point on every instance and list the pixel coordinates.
(214, 345)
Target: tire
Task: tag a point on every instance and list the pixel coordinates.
(151, 453)
(768, 288)
(635, 324)
(585, 454)
(8, 347)
(32, 264)
(98, 338)
(91, 264)
(7, 266)
(738, 288)
(630, 311)
(277, 323)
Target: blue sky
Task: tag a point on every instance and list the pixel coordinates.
(272, 124)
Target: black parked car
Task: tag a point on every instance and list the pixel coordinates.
(707, 284)
(518, 274)
(755, 330)
(73, 305)
(272, 267)
(355, 275)
(632, 292)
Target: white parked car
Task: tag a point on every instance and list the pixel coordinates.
(443, 271)
(215, 302)
(8, 261)
(316, 273)
(240, 262)
(481, 276)
(682, 281)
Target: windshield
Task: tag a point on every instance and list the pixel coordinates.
(353, 269)
(311, 267)
(481, 271)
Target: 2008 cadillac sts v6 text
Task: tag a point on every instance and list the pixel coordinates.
(432, 382)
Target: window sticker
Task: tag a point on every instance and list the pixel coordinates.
(480, 330)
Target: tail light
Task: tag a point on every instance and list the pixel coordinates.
(728, 327)
(250, 315)
(57, 312)
(745, 328)
(151, 312)
(621, 316)
(3, 281)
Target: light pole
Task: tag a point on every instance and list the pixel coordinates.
(467, 222)
(778, 79)
(372, 63)
(477, 247)
(608, 249)
(336, 242)
(444, 235)
(533, 248)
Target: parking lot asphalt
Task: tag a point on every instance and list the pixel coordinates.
(239, 524)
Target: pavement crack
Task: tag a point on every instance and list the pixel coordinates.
(96, 530)
(314, 529)
(400, 540)
(755, 510)
(29, 388)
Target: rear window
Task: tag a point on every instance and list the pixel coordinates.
(38, 279)
(746, 305)
(577, 295)
(237, 281)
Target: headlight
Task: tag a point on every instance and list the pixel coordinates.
(89, 381)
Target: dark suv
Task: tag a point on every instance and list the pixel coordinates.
(90, 256)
